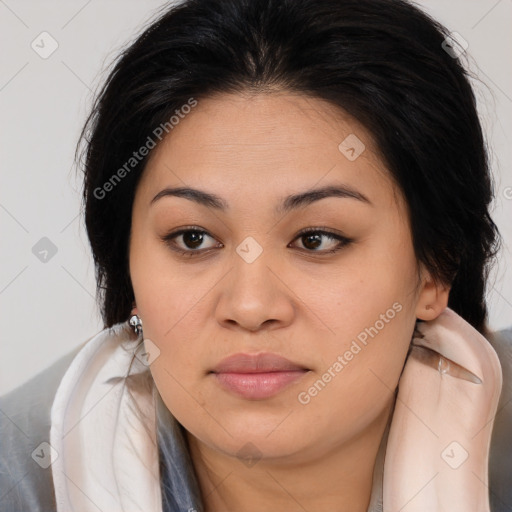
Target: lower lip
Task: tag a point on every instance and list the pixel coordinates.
(257, 386)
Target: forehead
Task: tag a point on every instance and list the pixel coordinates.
(266, 141)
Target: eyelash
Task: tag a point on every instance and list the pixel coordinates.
(168, 239)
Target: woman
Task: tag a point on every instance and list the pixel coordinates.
(288, 202)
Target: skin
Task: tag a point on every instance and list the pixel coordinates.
(252, 151)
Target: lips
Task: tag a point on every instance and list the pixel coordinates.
(257, 377)
(258, 363)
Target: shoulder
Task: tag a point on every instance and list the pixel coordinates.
(25, 476)
(500, 460)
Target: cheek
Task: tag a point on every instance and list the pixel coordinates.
(358, 379)
(164, 290)
(368, 295)
(370, 311)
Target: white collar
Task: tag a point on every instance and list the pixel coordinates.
(106, 457)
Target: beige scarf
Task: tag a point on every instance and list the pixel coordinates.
(434, 455)
(437, 453)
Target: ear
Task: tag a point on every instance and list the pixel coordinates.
(135, 311)
(433, 297)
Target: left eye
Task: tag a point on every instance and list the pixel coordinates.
(313, 238)
(312, 241)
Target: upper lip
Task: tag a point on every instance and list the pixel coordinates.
(256, 363)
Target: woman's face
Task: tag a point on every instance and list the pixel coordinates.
(248, 281)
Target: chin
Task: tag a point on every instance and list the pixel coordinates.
(248, 439)
(251, 449)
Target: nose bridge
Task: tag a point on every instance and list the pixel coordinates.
(251, 269)
(254, 294)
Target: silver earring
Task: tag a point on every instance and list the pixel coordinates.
(136, 323)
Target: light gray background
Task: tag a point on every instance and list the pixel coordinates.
(48, 308)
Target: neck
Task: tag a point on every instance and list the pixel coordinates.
(340, 480)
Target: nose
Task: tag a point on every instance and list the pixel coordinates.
(256, 296)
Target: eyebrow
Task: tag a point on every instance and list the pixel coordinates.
(288, 203)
